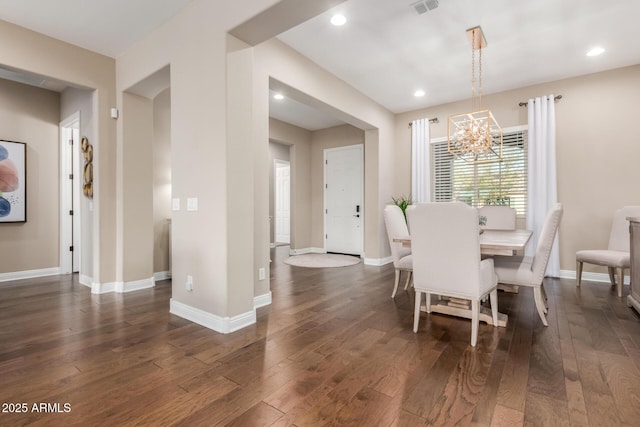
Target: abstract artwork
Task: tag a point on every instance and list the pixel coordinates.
(13, 181)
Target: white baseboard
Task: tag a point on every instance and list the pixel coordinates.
(262, 300)
(29, 274)
(378, 261)
(161, 275)
(85, 280)
(224, 325)
(303, 251)
(122, 287)
(592, 277)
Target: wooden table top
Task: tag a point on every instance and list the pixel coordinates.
(493, 242)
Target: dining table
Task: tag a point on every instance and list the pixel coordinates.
(492, 242)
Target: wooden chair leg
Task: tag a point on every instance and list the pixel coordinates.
(620, 281)
(537, 294)
(395, 285)
(578, 273)
(493, 296)
(475, 321)
(612, 276)
(409, 277)
(416, 312)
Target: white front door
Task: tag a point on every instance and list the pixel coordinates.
(282, 205)
(344, 178)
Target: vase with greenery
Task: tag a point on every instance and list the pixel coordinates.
(403, 203)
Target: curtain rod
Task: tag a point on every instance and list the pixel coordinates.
(434, 120)
(555, 98)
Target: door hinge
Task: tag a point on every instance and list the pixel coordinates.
(71, 141)
(71, 212)
(326, 186)
(326, 211)
(70, 248)
(70, 176)
(326, 162)
(326, 236)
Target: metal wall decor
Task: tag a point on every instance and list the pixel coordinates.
(87, 170)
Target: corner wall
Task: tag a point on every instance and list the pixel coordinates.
(31, 115)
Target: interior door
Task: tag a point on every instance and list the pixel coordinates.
(344, 178)
(70, 178)
(282, 205)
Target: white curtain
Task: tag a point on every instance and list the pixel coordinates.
(542, 194)
(420, 162)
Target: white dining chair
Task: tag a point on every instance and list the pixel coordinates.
(530, 271)
(446, 251)
(498, 217)
(402, 260)
(617, 255)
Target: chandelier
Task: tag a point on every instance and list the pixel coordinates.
(475, 137)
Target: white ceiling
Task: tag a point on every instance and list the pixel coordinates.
(109, 27)
(386, 50)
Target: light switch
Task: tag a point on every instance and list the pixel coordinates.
(192, 204)
(175, 204)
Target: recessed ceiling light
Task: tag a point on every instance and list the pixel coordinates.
(278, 96)
(419, 93)
(338, 20)
(595, 51)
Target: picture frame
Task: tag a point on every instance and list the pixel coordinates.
(13, 181)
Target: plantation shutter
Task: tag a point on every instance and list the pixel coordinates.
(480, 184)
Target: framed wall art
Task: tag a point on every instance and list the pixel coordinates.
(13, 181)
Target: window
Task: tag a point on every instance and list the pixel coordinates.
(480, 184)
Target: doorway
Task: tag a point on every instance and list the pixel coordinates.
(282, 201)
(343, 199)
(70, 212)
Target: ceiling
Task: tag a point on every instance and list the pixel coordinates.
(386, 49)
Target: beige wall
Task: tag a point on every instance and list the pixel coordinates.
(32, 52)
(31, 115)
(161, 180)
(339, 136)
(209, 162)
(597, 149)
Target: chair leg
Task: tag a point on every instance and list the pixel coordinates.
(620, 281)
(395, 285)
(537, 294)
(544, 298)
(428, 302)
(494, 306)
(475, 321)
(612, 276)
(578, 273)
(416, 312)
(409, 276)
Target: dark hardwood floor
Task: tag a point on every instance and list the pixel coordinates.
(332, 349)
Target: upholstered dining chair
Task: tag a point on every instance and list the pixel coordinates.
(498, 217)
(445, 245)
(530, 271)
(616, 257)
(402, 260)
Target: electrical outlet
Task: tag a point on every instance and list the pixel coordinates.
(261, 273)
(189, 284)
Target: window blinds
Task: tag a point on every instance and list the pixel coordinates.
(480, 184)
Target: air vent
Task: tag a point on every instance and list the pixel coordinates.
(424, 5)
